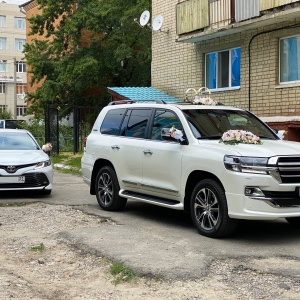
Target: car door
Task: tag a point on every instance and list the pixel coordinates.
(162, 159)
(127, 148)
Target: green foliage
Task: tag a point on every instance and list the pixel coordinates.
(76, 70)
(36, 128)
(5, 114)
(121, 273)
(38, 248)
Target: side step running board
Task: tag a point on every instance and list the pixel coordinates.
(151, 199)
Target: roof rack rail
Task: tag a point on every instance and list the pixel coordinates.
(136, 101)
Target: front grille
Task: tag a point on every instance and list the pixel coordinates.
(4, 167)
(32, 180)
(289, 169)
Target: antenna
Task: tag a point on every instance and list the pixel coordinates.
(157, 24)
(145, 17)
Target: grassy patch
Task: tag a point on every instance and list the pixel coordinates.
(121, 273)
(15, 204)
(70, 160)
(38, 248)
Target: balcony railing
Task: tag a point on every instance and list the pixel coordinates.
(196, 15)
(267, 4)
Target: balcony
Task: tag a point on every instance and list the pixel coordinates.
(198, 20)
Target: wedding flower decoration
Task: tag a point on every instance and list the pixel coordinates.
(281, 134)
(204, 101)
(47, 147)
(176, 134)
(233, 137)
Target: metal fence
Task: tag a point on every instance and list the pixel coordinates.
(69, 137)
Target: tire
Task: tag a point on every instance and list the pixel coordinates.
(209, 210)
(107, 190)
(295, 222)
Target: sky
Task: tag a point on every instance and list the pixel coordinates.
(15, 1)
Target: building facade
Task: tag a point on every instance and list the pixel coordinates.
(247, 53)
(13, 69)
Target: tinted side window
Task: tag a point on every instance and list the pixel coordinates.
(164, 119)
(135, 123)
(112, 121)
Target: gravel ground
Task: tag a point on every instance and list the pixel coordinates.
(62, 272)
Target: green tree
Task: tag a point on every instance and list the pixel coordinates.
(117, 53)
(4, 114)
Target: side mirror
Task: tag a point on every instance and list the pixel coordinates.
(169, 134)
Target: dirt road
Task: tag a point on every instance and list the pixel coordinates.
(62, 271)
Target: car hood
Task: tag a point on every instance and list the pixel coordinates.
(22, 157)
(267, 149)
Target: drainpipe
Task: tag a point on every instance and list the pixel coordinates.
(249, 57)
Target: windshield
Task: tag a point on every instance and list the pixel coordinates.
(17, 141)
(212, 123)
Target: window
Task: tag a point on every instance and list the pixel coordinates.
(2, 43)
(2, 21)
(3, 65)
(21, 110)
(2, 109)
(112, 121)
(20, 66)
(21, 88)
(2, 87)
(20, 23)
(164, 119)
(223, 69)
(290, 59)
(20, 44)
(135, 123)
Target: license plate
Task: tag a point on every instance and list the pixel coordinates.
(12, 179)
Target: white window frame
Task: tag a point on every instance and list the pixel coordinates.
(2, 87)
(20, 88)
(20, 23)
(3, 66)
(19, 44)
(20, 66)
(2, 21)
(230, 86)
(294, 65)
(3, 108)
(21, 110)
(3, 43)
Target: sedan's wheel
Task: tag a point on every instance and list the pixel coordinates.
(107, 190)
(209, 210)
(295, 222)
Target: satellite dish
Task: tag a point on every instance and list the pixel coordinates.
(144, 19)
(157, 23)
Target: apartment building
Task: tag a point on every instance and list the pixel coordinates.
(13, 79)
(246, 52)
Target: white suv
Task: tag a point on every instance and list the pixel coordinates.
(219, 163)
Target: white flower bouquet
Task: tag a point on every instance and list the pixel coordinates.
(233, 137)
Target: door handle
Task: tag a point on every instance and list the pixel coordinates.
(115, 147)
(148, 152)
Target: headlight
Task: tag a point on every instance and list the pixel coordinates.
(257, 165)
(43, 164)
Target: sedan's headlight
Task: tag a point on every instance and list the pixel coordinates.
(257, 165)
(43, 164)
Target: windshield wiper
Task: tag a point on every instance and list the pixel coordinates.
(209, 137)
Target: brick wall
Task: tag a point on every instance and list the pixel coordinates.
(179, 66)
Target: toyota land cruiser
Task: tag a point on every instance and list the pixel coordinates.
(219, 163)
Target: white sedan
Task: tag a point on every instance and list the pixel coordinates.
(23, 164)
